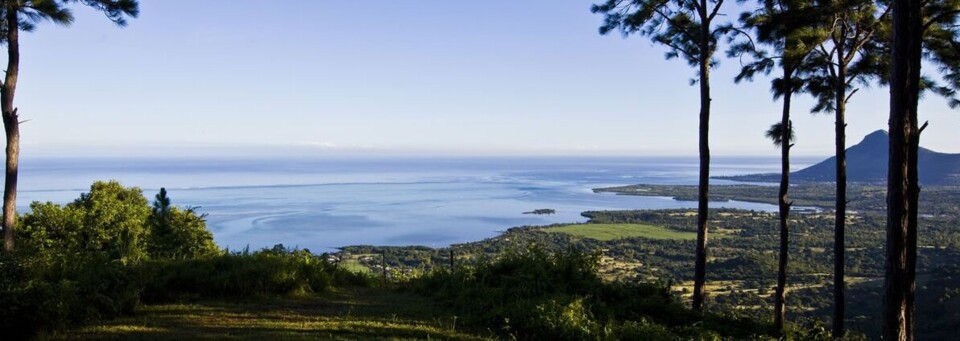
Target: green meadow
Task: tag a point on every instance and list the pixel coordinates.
(605, 232)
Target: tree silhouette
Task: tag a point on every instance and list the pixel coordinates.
(23, 15)
(921, 30)
(901, 177)
(160, 216)
(792, 32)
(687, 28)
(776, 134)
(161, 203)
(843, 62)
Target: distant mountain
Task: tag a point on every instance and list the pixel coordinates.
(867, 163)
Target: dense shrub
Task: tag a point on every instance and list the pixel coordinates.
(276, 271)
(109, 222)
(99, 255)
(533, 294)
(75, 262)
(37, 294)
(114, 221)
(40, 295)
(178, 233)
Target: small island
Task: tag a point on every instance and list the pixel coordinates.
(541, 211)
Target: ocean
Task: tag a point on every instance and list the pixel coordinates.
(324, 203)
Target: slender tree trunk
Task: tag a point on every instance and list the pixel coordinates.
(785, 133)
(11, 125)
(912, 225)
(700, 271)
(913, 175)
(840, 218)
(902, 187)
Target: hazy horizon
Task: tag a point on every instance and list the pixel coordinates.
(205, 150)
(294, 151)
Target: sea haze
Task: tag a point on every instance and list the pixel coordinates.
(324, 203)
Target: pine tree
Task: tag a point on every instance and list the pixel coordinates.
(792, 32)
(23, 15)
(689, 30)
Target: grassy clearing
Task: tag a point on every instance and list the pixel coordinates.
(348, 314)
(352, 262)
(616, 231)
(355, 266)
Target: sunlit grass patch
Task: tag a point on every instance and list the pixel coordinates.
(353, 265)
(616, 231)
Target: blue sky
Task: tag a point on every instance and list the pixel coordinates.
(393, 77)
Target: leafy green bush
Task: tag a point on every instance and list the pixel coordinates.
(568, 319)
(114, 221)
(178, 233)
(533, 294)
(37, 294)
(529, 294)
(83, 261)
(276, 271)
(99, 255)
(643, 329)
(109, 222)
(74, 263)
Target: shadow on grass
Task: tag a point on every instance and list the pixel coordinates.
(346, 314)
(358, 330)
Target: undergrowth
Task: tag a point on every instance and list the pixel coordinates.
(534, 294)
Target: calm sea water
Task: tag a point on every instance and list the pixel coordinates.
(323, 203)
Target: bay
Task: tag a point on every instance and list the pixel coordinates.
(321, 203)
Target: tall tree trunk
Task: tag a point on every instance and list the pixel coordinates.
(902, 187)
(913, 175)
(912, 225)
(700, 270)
(840, 218)
(785, 144)
(11, 125)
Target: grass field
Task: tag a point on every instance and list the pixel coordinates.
(348, 314)
(616, 231)
(355, 266)
(352, 263)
